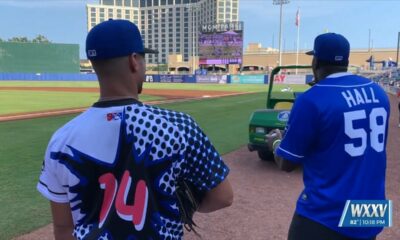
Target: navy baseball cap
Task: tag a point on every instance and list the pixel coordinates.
(331, 48)
(114, 38)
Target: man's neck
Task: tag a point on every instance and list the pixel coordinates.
(114, 89)
(112, 98)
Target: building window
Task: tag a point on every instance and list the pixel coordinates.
(149, 3)
(142, 3)
(155, 3)
(108, 2)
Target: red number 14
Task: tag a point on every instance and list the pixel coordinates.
(135, 212)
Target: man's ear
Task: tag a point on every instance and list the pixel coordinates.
(133, 62)
(316, 64)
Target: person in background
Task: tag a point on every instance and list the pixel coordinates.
(337, 131)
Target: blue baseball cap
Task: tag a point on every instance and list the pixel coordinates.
(114, 38)
(331, 48)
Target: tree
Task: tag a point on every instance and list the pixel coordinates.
(40, 39)
(19, 39)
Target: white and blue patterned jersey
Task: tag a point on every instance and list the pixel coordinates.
(338, 130)
(117, 165)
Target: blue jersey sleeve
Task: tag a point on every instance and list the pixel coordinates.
(301, 131)
(204, 166)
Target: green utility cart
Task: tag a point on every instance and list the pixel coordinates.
(275, 116)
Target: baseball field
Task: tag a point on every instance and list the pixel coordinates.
(265, 197)
(23, 142)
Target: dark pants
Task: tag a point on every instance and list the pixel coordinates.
(303, 228)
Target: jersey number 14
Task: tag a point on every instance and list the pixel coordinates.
(376, 133)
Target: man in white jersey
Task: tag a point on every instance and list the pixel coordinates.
(111, 172)
(337, 130)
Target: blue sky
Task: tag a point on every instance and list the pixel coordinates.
(64, 21)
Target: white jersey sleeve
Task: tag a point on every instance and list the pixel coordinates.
(49, 185)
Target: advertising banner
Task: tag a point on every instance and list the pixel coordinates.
(289, 79)
(171, 78)
(248, 79)
(211, 79)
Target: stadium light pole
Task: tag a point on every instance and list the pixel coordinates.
(281, 3)
(192, 7)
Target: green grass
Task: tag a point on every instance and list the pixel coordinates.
(29, 101)
(179, 86)
(22, 147)
(17, 101)
(23, 143)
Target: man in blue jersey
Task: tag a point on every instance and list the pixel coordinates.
(112, 172)
(337, 131)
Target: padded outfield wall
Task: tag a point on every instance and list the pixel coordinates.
(39, 58)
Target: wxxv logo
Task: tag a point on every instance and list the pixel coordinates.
(367, 213)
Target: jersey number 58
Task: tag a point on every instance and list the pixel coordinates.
(376, 133)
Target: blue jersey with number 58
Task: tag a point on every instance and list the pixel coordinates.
(337, 130)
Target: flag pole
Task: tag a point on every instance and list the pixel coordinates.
(298, 37)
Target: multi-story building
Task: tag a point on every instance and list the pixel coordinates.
(170, 26)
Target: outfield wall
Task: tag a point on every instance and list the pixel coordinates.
(216, 79)
(19, 57)
(47, 77)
